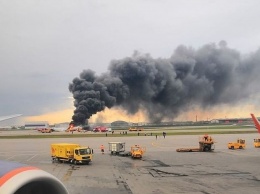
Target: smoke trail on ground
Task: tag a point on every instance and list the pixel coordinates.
(206, 77)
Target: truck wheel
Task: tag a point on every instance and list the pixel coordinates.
(232, 147)
(206, 149)
(75, 162)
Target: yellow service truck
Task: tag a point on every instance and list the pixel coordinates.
(239, 144)
(257, 143)
(73, 153)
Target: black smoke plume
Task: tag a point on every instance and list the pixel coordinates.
(209, 76)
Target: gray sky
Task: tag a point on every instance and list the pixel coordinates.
(44, 44)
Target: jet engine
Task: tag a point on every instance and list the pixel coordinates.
(16, 178)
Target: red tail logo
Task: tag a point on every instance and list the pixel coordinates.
(256, 122)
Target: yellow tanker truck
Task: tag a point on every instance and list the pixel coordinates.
(72, 153)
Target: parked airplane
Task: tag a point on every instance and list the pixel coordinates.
(256, 122)
(2, 118)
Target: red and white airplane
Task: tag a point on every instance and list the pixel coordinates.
(72, 128)
(256, 122)
(257, 126)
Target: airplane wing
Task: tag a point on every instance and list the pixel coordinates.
(2, 118)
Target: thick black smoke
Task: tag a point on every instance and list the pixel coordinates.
(209, 76)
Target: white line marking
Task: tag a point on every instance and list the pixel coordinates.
(32, 157)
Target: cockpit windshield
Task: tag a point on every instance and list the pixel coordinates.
(135, 148)
(85, 151)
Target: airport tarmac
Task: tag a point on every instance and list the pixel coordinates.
(162, 169)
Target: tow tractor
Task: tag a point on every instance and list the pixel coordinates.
(137, 151)
(118, 148)
(206, 144)
(239, 144)
(257, 143)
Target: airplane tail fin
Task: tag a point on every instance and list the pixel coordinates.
(256, 122)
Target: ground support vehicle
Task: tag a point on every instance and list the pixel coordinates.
(73, 153)
(257, 143)
(137, 151)
(116, 147)
(239, 144)
(206, 144)
(135, 129)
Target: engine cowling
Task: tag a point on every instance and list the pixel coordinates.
(16, 178)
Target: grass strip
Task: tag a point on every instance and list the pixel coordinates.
(88, 135)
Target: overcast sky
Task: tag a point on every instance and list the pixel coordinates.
(44, 44)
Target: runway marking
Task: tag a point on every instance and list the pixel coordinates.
(239, 153)
(23, 152)
(159, 144)
(32, 157)
(154, 144)
(22, 155)
(10, 157)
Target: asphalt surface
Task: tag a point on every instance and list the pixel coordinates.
(161, 170)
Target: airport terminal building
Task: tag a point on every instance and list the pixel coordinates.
(37, 125)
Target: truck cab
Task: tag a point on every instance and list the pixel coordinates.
(82, 155)
(239, 144)
(257, 143)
